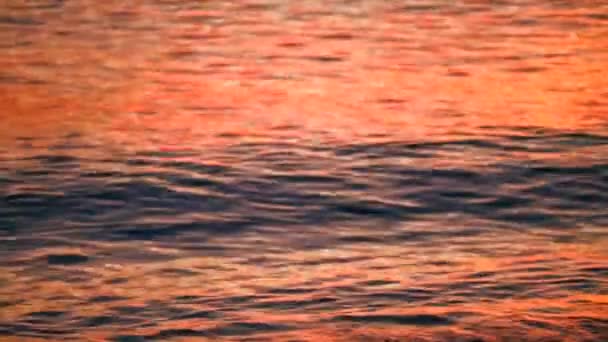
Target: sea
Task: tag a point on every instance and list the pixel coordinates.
(282, 170)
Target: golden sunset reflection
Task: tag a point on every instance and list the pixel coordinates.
(313, 171)
(397, 266)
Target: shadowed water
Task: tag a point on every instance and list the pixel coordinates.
(304, 171)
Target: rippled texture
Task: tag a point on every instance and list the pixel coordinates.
(304, 171)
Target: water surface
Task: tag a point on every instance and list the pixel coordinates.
(304, 171)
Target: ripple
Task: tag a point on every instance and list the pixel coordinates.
(422, 320)
(20, 21)
(246, 328)
(66, 259)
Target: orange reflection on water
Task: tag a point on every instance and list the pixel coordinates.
(213, 284)
(184, 88)
(375, 87)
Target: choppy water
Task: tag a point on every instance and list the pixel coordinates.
(304, 170)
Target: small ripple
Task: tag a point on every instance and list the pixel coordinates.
(167, 334)
(317, 303)
(602, 271)
(66, 259)
(129, 338)
(337, 36)
(26, 330)
(207, 314)
(370, 209)
(106, 299)
(150, 232)
(360, 239)
(19, 21)
(105, 320)
(526, 69)
(400, 296)
(47, 314)
(378, 282)
(247, 328)
(198, 167)
(422, 320)
(324, 59)
(232, 329)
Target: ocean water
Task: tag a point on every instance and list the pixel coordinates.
(278, 170)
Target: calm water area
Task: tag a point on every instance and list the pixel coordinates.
(282, 170)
